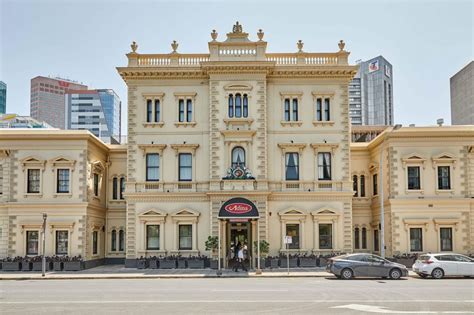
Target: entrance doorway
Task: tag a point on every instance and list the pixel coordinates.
(238, 234)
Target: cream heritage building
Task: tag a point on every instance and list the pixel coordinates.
(241, 144)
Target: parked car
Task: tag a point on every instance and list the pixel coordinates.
(444, 264)
(365, 265)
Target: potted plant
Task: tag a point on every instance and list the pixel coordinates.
(293, 261)
(196, 262)
(168, 262)
(12, 264)
(308, 261)
(264, 249)
(142, 263)
(212, 244)
(73, 263)
(153, 262)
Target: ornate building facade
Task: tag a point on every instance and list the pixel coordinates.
(240, 144)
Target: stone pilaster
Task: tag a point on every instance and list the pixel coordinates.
(215, 137)
(261, 171)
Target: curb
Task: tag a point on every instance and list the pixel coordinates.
(159, 277)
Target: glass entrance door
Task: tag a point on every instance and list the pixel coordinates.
(238, 234)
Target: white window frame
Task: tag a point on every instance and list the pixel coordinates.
(53, 231)
(58, 163)
(153, 97)
(291, 96)
(28, 163)
(323, 96)
(186, 96)
(149, 217)
(150, 149)
(411, 160)
(185, 148)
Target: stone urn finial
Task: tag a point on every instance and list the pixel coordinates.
(341, 45)
(134, 46)
(260, 34)
(300, 45)
(214, 35)
(174, 46)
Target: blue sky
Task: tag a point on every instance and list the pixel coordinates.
(426, 41)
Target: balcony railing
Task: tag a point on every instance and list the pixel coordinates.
(164, 187)
(306, 186)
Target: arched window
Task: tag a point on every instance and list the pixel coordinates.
(121, 240)
(238, 105)
(114, 241)
(246, 106)
(238, 156)
(364, 238)
(356, 238)
(231, 106)
(362, 185)
(354, 185)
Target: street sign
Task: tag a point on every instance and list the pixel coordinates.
(288, 240)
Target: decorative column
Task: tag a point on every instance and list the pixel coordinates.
(224, 241)
(195, 234)
(254, 238)
(303, 235)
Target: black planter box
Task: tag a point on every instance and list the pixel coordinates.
(142, 263)
(58, 266)
(11, 266)
(153, 264)
(181, 263)
(323, 262)
(284, 262)
(167, 264)
(38, 266)
(72, 265)
(196, 263)
(213, 264)
(274, 263)
(307, 262)
(407, 262)
(25, 265)
(263, 263)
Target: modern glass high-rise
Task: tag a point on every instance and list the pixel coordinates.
(371, 93)
(47, 99)
(462, 96)
(98, 111)
(3, 97)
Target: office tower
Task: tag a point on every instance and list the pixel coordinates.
(98, 111)
(462, 96)
(3, 97)
(371, 93)
(47, 99)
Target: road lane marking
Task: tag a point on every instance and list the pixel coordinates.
(249, 290)
(229, 301)
(385, 310)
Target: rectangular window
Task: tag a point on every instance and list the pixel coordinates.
(295, 109)
(325, 236)
(189, 110)
(374, 184)
(327, 110)
(96, 184)
(362, 185)
(157, 111)
(33, 181)
(446, 239)
(61, 242)
(32, 242)
(376, 241)
(355, 185)
(364, 238)
(287, 109)
(149, 111)
(63, 181)
(319, 109)
(114, 188)
(413, 173)
(122, 187)
(152, 167)
(444, 178)
(121, 240)
(292, 166)
(95, 243)
(185, 237)
(181, 110)
(356, 238)
(185, 167)
(293, 230)
(152, 237)
(416, 239)
(324, 166)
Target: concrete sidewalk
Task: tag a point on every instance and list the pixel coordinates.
(120, 272)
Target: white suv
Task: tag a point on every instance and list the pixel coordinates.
(440, 265)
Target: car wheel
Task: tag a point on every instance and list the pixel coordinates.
(346, 274)
(395, 274)
(437, 273)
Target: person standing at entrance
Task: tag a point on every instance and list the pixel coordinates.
(240, 260)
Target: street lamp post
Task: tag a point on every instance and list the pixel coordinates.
(382, 209)
(45, 216)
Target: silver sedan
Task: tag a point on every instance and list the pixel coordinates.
(365, 265)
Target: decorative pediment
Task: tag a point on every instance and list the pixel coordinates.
(152, 148)
(32, 162)
(185, 147)
(325, 214)
(292, 147)
(292, 214)
(185, 215)
(413, 158)
(152, 215)
(446, 158)
(324, 146)
(324, 211)
(98, 167)
(62, 161)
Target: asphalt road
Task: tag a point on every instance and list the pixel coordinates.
(241, 295)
